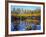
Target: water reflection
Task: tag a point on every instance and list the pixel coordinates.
(25, 23)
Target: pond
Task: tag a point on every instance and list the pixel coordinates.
(22, 26)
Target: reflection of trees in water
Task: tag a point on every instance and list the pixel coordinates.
(25, 22)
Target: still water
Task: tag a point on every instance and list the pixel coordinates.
(22, 26)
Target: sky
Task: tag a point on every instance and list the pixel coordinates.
(25, 7)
